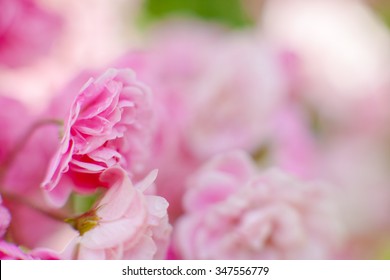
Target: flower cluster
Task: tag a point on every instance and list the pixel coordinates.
(202, 142)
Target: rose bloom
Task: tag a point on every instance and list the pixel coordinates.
(108, 124)
(26, 31)
(125, 223)
(236, 212)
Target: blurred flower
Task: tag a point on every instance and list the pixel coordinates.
(108, 124)
(125, 224)
(214, 91)
(234, 212)
(26, 31)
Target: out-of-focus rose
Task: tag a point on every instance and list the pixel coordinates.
(9, 251)
(214, 91)
(235, 98)
(234, 212)
(109, 123)
(26, 31)
(125, 224)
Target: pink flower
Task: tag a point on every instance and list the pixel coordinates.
(125, 224)
(234, 212)
(109, 123)
(26, 31)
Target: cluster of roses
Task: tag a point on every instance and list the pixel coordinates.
(207, 145)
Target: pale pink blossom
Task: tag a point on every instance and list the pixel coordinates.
(26, 31)
(236, 212)
(109, 123)
(125, 224)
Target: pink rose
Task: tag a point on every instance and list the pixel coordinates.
(26, 31)
(125, 223)
(109, 123)
(234, 212)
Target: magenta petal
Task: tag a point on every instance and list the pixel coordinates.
(87, 167)
(104, 154)
(59, 196)
(58, 165)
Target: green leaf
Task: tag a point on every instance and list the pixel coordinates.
(228, 12)
(83, 203)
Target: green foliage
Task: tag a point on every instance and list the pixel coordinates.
(228, 12)
(382, 9)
